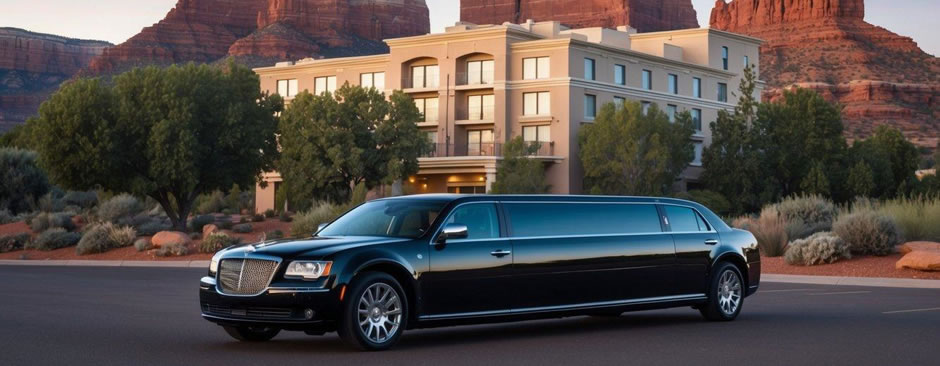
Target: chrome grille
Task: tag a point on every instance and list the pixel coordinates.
(249, 313)
(245, 276)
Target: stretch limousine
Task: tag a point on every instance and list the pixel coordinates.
(435, 260)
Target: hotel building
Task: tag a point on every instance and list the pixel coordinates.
(478, 86)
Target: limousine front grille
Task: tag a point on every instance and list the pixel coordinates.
(248, 313)
(245, 276)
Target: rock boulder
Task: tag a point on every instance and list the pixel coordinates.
(170, 238)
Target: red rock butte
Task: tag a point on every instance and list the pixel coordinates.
(644, 15)
(209, 30)
(877, 76)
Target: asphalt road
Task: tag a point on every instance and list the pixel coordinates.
(150, 316)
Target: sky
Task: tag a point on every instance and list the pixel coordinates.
(117, 20)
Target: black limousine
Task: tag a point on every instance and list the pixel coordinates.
(436, 260)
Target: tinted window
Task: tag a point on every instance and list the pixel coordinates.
(393, 218)
(563, 219)
(683, 219)
(480, 219)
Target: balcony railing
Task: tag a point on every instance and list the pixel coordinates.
(463, 79)
(545, 148)
(484, 149)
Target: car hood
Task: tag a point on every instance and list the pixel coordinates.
(309, 247)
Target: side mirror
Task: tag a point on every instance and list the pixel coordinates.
(452, 232)
(320, 228)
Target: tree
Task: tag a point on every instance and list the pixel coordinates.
(628, 152)
(901, 153)
(519, 174)
(168, 133)
(936, 157)
(22, 182)
(17, 137)
(815, 182)
(333, 142)
(861, 181)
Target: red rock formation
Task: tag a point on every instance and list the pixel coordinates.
(32, 65)
(877, 76)
(644, 15)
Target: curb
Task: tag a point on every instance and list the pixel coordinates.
(93, 263)
(852, 281)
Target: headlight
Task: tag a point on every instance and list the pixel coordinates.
(308, 270)
(214, 264)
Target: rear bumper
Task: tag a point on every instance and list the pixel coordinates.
(753, 278)
(294, 308)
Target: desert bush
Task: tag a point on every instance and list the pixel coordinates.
(243, 219)
(242, 228)
(175, 250)
(85, 200)
(918, 218)
(286, 217)
(51, 202)
(106, 236)
(152, 227)
(269, 213)
(22, 182)
(55, 238)
(6, 217)
(211, 203)
(305, 224)
(216, 242)
(11, 242)
(274, 234)
(120, 207)
(143, 244)
(868, 232)
(227, 211)
(806, 215)
(770, 230)
(46, 220)
(225, 224)
(819, 248)
(257, 218)
(198, 222)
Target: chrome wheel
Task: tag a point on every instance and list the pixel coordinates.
(380, 312)
(729, 293)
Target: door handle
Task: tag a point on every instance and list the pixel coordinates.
(500, 253)
(711, 242)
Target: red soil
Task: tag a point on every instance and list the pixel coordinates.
(855, 267)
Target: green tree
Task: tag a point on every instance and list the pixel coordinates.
(17, 137)
(901, 153)
(519, 174)
(815, 182)
(628, 152)
(168, 133)
(861, 180)
(331, 143)
(22, 182)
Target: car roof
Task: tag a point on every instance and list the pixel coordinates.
(543, 198)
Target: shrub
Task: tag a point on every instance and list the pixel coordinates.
(143, 244)
(22, 182)
(6, 217)
(152, 227)
(868, 232)
(51, 203)
(305, 224)
(85, 200)
(55, 238)
(104, 237)
(917, 218)
(242, 228)
(269, 213)
(45, 221)
(120, 207)
(211, 203)
(770, 231)
(175, 250)
(243, 219)
(226, 212)
(257, 218)
(9, 243)
(274, 234)
(819, 248)
(216, 242)
(285, 217)
(806, 215)
(198, 222)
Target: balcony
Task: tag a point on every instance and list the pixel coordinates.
(486, 149)
(545, 148)
(464, 82)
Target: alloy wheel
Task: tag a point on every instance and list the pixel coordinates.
(380, 312)
(729, 292)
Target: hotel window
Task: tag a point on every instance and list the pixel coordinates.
(724, 57)
(480, 107)
(480, 72)
(431, 136)
(324, 84)
(697, 87)
(697, 120)
(372, 80)
(619, 101)
(287, 88)
(671, 111)
(425, 76)
(647, 80)
(620, 75)
(428, 109)
(646, 107)
(480, 143)
(590, 106)
(537, 133)
(697, 160)
(722, 92)
(673, 84)
(589, 69)
(535, 68)
(747, 61)
(536, 104)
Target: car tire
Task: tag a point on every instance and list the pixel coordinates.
(252, 334)
(725, 294)
(375, 314)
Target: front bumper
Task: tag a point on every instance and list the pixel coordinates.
(278, 306)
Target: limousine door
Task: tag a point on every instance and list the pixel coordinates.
(695, 239)
(572, 254)
(470, 276)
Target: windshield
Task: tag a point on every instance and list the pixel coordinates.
(391, 218)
